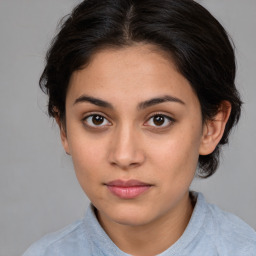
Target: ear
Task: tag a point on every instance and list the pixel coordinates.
(213, 129)
(63, 133)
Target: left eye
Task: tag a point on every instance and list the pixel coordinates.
(159, 121)
(96, 121)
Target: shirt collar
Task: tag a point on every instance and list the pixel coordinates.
(102, 241)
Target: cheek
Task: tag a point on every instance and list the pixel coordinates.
(177, 155)
(87, 160)
(87, 156)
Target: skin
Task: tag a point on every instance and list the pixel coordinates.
(128, 143)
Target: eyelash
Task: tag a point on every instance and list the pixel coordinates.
(166, 118)
(85, 121)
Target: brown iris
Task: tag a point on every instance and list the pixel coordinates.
(97, 120)
(158, 120)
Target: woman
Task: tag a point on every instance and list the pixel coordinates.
(143, 92)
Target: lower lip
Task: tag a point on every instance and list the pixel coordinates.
(128, 192)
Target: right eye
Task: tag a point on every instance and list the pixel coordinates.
(96, 120)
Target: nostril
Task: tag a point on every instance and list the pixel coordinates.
(124, 165)
(125, 152)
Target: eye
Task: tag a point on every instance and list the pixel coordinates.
(160, 121)
(96, 121)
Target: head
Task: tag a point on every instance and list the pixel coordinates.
(183, 30)
(179, 48)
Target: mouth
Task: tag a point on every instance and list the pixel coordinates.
(127, 189)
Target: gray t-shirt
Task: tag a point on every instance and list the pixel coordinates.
(210, 232)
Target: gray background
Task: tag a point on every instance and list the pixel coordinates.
(38, 189)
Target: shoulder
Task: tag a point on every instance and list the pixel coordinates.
(229, 232)
(64, 240)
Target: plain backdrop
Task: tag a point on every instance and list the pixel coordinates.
(38, 189)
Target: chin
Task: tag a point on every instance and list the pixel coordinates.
(132, 221)
(130, 216)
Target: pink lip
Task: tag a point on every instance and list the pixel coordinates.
(127, 189)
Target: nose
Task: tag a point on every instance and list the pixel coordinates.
(126, 148)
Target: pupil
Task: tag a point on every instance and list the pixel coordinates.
(97, 120)
(158, 120)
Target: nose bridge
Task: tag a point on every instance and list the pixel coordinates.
(125, 147)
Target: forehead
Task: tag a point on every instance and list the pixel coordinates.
(140, 71)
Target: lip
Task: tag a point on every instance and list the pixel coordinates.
(127, 189)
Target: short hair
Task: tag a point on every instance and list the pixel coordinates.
(197, 43)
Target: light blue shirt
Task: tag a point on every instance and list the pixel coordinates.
(210, 232)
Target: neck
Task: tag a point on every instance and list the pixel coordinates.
(154, 237)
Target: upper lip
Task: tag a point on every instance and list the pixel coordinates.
(127, 183)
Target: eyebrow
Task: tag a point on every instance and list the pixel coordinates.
(142, 105)
(159, 100)
(92, 100)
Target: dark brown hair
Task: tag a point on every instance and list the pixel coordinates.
(197, 42)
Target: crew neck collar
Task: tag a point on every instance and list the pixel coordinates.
(102, 241)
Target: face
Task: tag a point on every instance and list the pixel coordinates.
(134, 131)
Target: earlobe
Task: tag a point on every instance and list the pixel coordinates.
(63, 134)
(213, 129)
